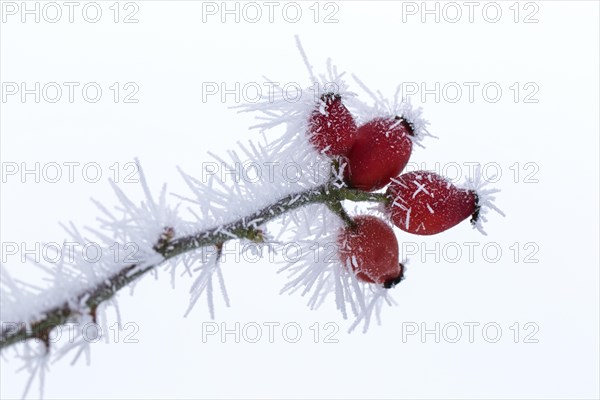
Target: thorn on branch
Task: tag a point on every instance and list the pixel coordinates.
(94, 313)
(42, 333)
(256, 235)
(163, 241)
(250, 233)
(219, 247)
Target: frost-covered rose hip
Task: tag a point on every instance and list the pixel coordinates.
(370, 249)
(380, 152)
(331, 126)
(425, 203)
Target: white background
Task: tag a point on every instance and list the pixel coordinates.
(171, 51)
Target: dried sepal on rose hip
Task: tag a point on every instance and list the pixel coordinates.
(425, 203)
(370, 250)
(380, 152)
(331, 126)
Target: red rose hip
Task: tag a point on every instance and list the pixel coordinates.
(370, 249)
(380, 152)
(332, 127)
(425, 203)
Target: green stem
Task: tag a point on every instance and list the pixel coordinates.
(337, 208)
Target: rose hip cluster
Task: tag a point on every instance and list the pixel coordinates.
(374, 155)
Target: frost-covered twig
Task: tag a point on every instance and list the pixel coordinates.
(169, 246)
